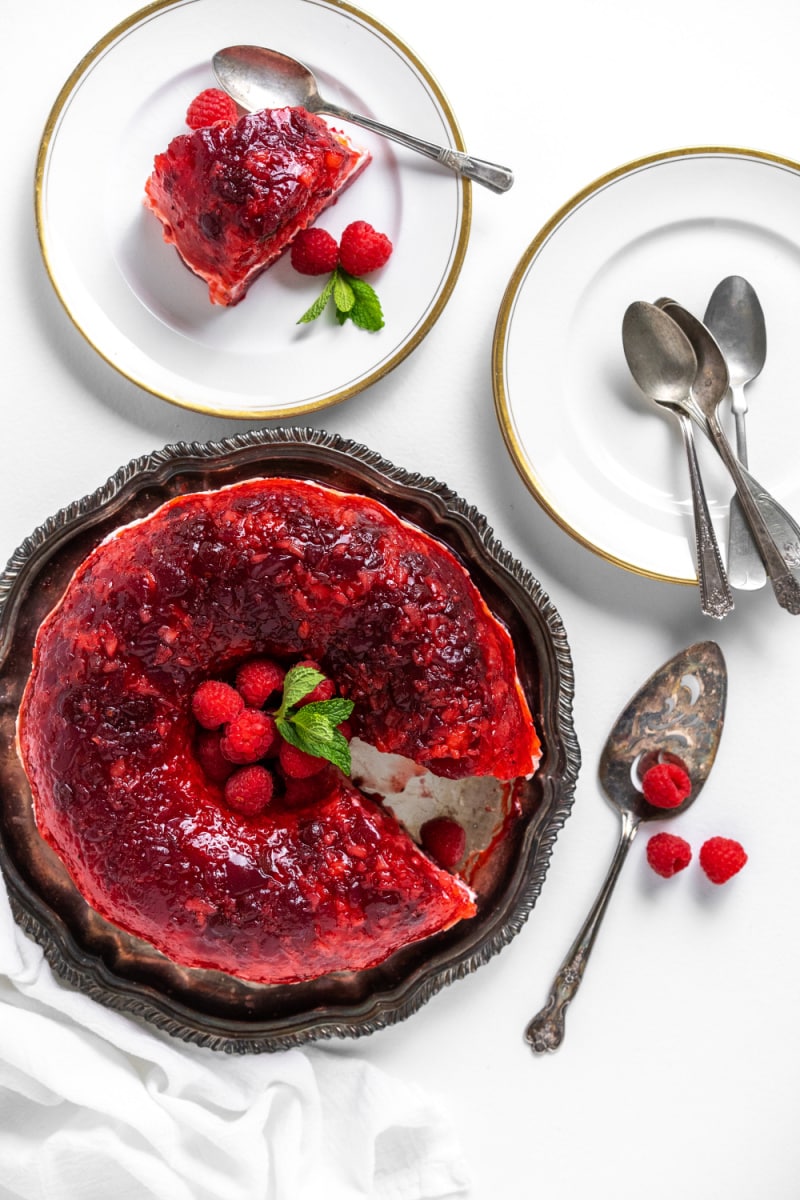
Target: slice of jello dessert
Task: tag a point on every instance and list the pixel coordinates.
(232, 197)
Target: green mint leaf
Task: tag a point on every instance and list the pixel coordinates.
(316, 736)
(338, 752)
(366, 311)
(344, 296)
(334, 711)
(299, 683)
(316, 731)
(354, 299)
(288, 732)
(320, 303)
(323, 741)
(313, 727)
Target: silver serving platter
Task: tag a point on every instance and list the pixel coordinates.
(211, 1008)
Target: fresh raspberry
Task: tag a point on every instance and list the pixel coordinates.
(363, 249)
(215, 703)
(297, 764)
(249, 790)
(211, 758)
(249, 736)
(211, 106)
(668, 854)
(444, 840)
(314, 252)
(257, 679)
(325, 690)
(666, 785)
(721, 858)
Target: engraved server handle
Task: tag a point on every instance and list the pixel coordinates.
(546, 1031)
(491, 175)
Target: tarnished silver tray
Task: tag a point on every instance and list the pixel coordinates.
(211, 1008)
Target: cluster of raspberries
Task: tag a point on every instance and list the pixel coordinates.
(240, 748)
(238, 743)
(360, 250)
(667, 785)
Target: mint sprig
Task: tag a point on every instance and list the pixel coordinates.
(354, 300)
(312, 727)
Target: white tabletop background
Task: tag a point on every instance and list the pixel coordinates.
(680, 1071)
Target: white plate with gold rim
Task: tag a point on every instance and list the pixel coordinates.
(127, 291)
(605, 463)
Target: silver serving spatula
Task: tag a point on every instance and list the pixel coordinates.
(678, 713)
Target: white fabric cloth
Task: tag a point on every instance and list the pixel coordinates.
(94, 1106)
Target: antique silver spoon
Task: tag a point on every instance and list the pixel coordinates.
(736, 320)
(677, 714)
(709, 388)
(664, 365)
(257, 78)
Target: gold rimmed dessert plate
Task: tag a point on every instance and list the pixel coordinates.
(128, 292)
(600, 459)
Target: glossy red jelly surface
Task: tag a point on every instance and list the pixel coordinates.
(282, 568)
(232, 197)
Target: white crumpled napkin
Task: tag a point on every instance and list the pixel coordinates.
(94, 1106)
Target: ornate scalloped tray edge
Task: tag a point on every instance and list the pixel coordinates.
(208, 1008)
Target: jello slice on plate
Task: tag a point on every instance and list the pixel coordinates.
(232, 197)
(293, 570)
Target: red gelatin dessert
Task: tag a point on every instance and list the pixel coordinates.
(232, 197)
(286, 570)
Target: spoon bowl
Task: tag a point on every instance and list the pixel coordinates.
(712, 380)
(661, 358)
(257, 77)
(736, 320)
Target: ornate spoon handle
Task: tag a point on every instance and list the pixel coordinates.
(546, 1031)
(715, 593)
(785, 586)
(491, 175)
(782, 525)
